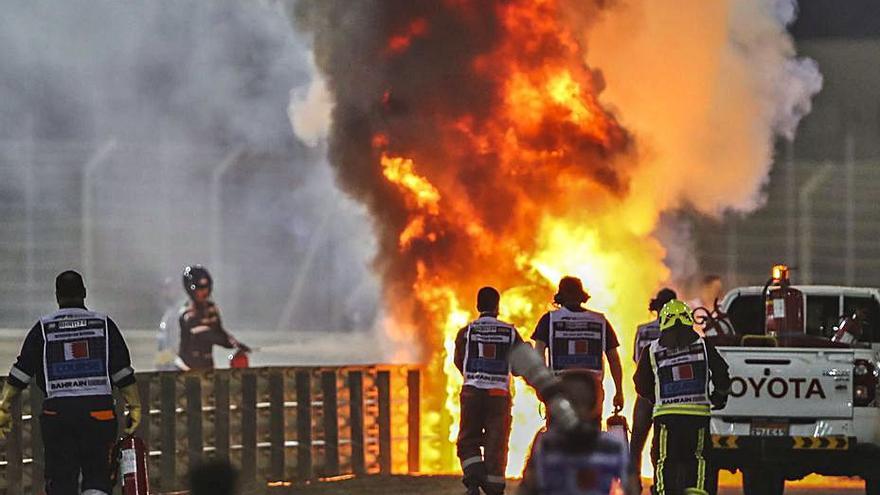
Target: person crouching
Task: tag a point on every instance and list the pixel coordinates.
(583, 460)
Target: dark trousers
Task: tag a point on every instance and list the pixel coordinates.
(680, 454)
(77, 443)
(485, 421)
(642, 421)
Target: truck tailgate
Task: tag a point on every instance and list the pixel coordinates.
(789, 383)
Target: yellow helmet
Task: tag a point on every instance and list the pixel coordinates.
(675, 311)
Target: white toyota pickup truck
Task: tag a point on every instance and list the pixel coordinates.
(804, 404)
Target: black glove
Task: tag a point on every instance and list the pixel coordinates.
(242, 347)
(719, 401)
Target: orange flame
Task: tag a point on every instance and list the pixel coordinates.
(401, 42)
(483, 145)
(422, 194)
(559, 208)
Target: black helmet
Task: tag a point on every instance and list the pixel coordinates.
(663, 296)
(196, 277)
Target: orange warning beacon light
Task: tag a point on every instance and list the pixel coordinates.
(780, 273)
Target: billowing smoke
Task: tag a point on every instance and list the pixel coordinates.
(178, 108)
(703, 89)
(418, 81)
(513, 142)
(706, 87)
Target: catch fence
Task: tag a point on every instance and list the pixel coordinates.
(280, 426)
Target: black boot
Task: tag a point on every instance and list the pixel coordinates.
(474, 477)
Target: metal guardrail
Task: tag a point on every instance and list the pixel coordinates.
(279, 425)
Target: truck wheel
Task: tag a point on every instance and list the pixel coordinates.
(752, 482)
(775, 484)
(872, 486)
(763, 482)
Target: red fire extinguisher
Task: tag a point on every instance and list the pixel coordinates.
(617, 426)
(849, 329)
(130, 466)
(784, 305)
(239, 360)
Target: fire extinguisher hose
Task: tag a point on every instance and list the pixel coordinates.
(115, 455)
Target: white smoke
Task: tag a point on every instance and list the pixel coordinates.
(706, 87)
(784, 81)
(176, 90)
(676, 234)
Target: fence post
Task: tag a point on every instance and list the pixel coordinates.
(356, 420)
(805, 203)
(248, 429)
(14, 449)
(168, 413)
(331, 423)
(304, 425)
(276, 425)
(195, 442)
(413, 420)
(221, 416)
(383, 383)
(38, 463)
(144, 430)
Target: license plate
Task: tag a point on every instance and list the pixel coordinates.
(769, 429)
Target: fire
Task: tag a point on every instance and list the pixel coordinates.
(484, 146)
(400, 171)
(530, 101)
(401, 42)
(558, 164)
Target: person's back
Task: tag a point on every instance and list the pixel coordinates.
(643, 411)
(684, 377)
(563, 467)
(575, 338)
(75, 356)
(482, 350)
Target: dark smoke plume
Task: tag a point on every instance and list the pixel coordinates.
(425, 78)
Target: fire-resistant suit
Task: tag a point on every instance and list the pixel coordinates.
(76, 357)
(200, 330)
(200, 325)
(675, 373)
(563, 464)
(482, 351)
